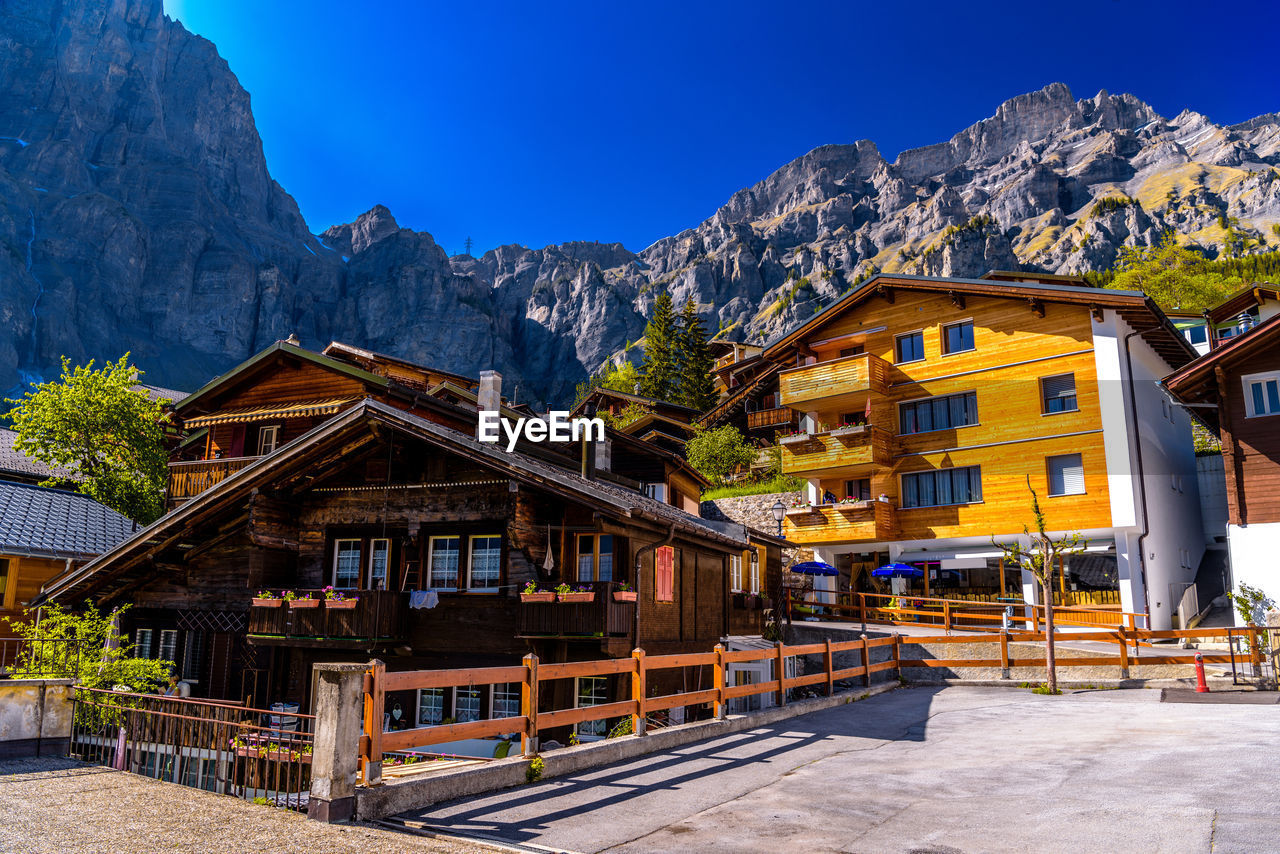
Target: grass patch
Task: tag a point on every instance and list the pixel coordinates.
(781, 483)
(1043, 690)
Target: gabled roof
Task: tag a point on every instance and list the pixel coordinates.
(39, 522)
(629, 397)
(16, 465)
(1135, 307)
(339, 350)
(1195, 382)
(365, 417)
(1250, 295)
(1018, 276)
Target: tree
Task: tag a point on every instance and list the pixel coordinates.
(1252, 604)
(1174, 276)
(1039, 558)
(717, 453)
(697, 387)
(624, 377)
(102, 429)
(90, 646)
(661, 371)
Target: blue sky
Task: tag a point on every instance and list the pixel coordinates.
(537, 123)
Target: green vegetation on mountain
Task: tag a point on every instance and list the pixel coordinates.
(1180, 278)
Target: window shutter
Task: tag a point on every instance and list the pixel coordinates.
(664, 574)
(1062, 386)
(1066, 475)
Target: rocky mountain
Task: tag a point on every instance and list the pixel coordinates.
(137, 212)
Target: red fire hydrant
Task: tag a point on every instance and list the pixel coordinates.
(1201, 687)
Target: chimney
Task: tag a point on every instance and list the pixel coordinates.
(490, 396)
(604, 455)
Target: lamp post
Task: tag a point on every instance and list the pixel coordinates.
(779, 510)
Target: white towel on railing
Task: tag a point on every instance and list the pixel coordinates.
(423, 599)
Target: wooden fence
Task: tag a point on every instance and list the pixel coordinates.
(536, 717)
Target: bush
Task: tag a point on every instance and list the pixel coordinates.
(715, 454)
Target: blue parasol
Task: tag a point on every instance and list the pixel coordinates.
(897, 570)
(815, 567)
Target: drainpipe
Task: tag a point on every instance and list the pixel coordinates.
(653, 547)
(1142, 481)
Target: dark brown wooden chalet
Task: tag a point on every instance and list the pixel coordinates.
(435, 533)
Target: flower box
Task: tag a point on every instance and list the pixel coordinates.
(304, 603)
(588, 596)
(624, 595)
(853, 506)
(341, 604)
(848, 432)
(797, 439)
(267, 603)
(547, 596)
(806, 510)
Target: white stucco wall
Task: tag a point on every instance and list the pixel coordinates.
(1212, 478)
(1255, 557)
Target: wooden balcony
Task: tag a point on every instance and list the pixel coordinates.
(833, 385)
(777, 417)
(862, 521)
(599, 618)
(379, 616)
(187, 479)
(835, 453)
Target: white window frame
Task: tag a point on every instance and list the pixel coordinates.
(507, 690)
(1048, 469)
(1044, 401)
(598, 729)
(471, 563)
(337, 552)
(942, 337)
(168, 638)
(272, 430)
(901, 335)
(1248, 381)
(431, 562)
(735, 573)
(140, 649)
(473, 692)
(192, 648)
(386, 569)
(754, 572)
(417, 706)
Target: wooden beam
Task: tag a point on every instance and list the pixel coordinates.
(957, 299)
(1097, 312)
(886, 293)
(1037, 306)
(1230, 449)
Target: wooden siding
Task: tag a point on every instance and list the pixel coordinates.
(190, 478)
(868, 521)
(842, 452)
(832, 382)
(775, 417)
(285, 383)
(26, 575)
(1254, 447)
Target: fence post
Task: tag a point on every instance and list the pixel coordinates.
(862, 609)
(1124, 652)
(1004, 653)
(946, 616)
(897, 653)
(529, 705)
(721, 710)
(866, 663)
(639, 723)
(374, 703)
(782, 674)
(829, 659)
(1255, 651)
(336, 752)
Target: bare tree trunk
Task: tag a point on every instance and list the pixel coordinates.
(1050, 658)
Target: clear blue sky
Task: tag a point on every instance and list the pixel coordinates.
(537, 123)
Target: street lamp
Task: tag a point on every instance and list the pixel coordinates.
(779, 510)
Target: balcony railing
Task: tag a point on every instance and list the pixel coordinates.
(187, 479)
(829, 385)
(836, 452)
(860, 521)
(602, 617)
(378, 615)
(775, 417)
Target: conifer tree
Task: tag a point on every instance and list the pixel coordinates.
(697, 386)
(660, 367)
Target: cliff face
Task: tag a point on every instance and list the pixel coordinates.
(137, 212)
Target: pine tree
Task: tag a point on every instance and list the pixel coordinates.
(661, 370)
(697, 387)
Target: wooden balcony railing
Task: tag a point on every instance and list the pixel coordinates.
(378, 615)
(833, 383)
(187, 479)
(602, 617)
(837, 452)
(861, 521)
(775, 417)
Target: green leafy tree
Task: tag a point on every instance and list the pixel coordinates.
(696, 387)
(624, 377)
(1041, 558)
(660, 369)
(717, 453)
(1174, 276)
(1252, 605)
(88, 645)
(102, 429)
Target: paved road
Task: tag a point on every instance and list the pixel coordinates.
(926, 770)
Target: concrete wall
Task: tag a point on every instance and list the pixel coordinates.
(35, 716)
(1212, 479)
(1253, 557)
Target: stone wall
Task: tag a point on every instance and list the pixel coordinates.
(755, 511)
(35, 717)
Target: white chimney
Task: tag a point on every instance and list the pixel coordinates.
(490, 396)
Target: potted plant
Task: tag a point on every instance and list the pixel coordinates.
(337, 599)
(581, 593)
(794, 437)
(624, 592)
(533, 593)
(799, 507)
(267, 599)
(303, 600)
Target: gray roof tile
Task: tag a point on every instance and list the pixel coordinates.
(35, 520)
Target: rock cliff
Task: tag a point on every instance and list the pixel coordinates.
(137, 213)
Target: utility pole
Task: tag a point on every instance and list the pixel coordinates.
(468, 245)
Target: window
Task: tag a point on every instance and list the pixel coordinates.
(142, 643)
(486, 563)
(592, 691)
(957, 337)
(735, 572)
(664, 560)
(1197, 334)
(1058, 393)
(466, 704)
(379, 558)
(938, 413)
(909, 347)
(856, 350)
(268, 439)
(1262, 394)
(168, 645)
(755, 573)
(942, 487)
(656, 491)
(346, 564)
(430, 706)
(858, 490)
(193, 645)
(506, 700)
(4, 578)
(595, 557)
(442, 561)
(1066, 475)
